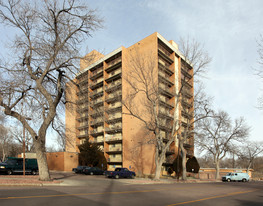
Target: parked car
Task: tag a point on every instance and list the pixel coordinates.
(79, 169)
(120, 172)
(93, 171)
(15, 165)
(236, 176)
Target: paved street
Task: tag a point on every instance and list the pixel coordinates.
(98, 190)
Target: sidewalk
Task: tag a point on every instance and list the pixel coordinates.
(67, 179)
(27, 180)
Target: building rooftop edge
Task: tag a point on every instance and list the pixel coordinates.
(120, 49)
(100, 60)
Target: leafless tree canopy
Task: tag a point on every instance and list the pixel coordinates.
(217, 134)
(196, 55)
(44, 56)
(249, 151)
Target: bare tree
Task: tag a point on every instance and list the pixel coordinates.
(249, 151)
(216, 135)
(144, 86)
(45, 55)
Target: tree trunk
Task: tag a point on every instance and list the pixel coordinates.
(183, 151)
(42, 161)
(159, 158)
(217, 169)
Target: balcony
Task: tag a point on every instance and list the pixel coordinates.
(81, 136)
(166, 115)
(114, 150)
(113, 77)
(83, 109)
(165, 127)
(83, 81)
(113, 130)
(97, 141)
(187, 115)
(165, 80)
(113, 65)
(114, 97)
(165, 57)
(113, 119)
(186, 84)
(97, 75)
(166, 104)
(113, 140)
(96, 133)
(83, 126)
(187, 93)
(186, 104)
(166, 69)
(83, 117)
(95, 85)
(96, 94)
(113, 87)
(114, 161)
(97, 122)
(186, 74)
(96, 103)
(114, 109)
(97, 113)
(168, 92)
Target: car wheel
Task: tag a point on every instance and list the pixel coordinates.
(9, 172)
(228, 180)
(91, 173)
(244, 180)
(117, 176)
(132, 176)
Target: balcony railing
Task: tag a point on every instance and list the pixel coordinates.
(96, 94)
(114, 97)
(113, 65)
(112, 130)
(114, 150)
(168, 92)
(166, 104)
(114, 109)
(97, 75)
(187, 93)
(95, 85)
(186, 84)
(96, 133)
(165, 80)
(186, 104)
(186, 74)
(166, 115)
(113, 87)
(165, 57)
(164, 68)
(113, 140)
(96, 102)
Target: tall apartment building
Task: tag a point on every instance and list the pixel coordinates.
(99, 114)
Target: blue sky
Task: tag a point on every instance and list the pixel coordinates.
(228, 30)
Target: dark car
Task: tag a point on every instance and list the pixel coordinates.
(79, 169)
(120, 172)
(93, 171)
(15, 165)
